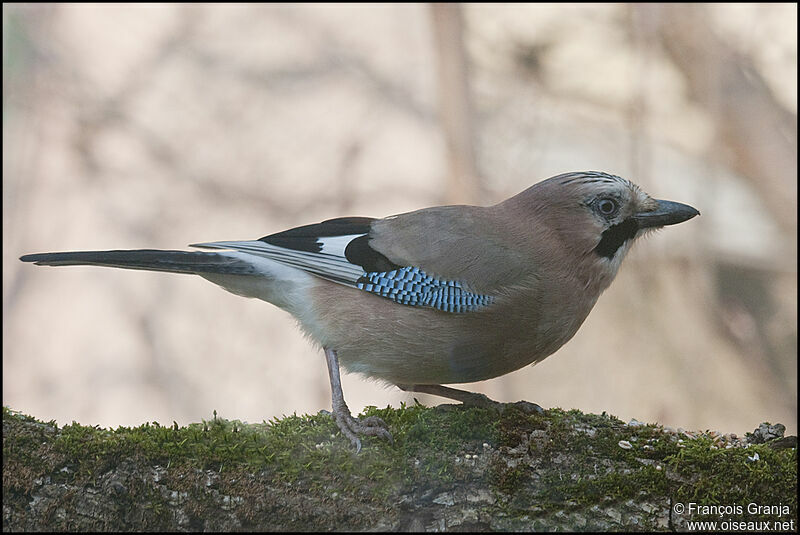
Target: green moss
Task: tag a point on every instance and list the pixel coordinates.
(757, 474)
(290, 448)
(562, 461)
(656, 467)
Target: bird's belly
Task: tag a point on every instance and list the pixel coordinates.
(440, 367)
(413, 345)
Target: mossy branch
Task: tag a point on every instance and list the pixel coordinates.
(450, 467)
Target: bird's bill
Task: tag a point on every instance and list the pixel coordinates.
(666, 213)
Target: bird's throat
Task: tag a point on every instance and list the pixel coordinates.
(615, 237)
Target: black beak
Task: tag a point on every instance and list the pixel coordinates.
(666, 213)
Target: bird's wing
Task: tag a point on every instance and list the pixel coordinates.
(343, 251)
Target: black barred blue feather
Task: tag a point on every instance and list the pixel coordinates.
(412, 286)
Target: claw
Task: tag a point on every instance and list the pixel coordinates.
(352, 427)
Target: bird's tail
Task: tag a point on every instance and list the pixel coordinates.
(148, 259)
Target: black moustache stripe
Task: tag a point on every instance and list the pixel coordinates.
(615, 237)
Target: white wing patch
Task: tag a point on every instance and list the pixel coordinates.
(335, 245)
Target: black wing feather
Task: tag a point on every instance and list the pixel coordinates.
(305, 238)
(358, 252)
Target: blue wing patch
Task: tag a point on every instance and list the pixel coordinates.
(412, 286)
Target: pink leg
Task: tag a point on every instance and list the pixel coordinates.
(350, 427)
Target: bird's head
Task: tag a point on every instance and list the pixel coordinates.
(597, 215)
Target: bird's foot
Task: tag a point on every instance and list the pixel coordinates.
(470, 399)
(352, 427)
(474, 399)
(528, 406)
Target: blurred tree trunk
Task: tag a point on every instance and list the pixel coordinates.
(756, 135)
(455, 105)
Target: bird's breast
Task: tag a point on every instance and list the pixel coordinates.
(414, 345)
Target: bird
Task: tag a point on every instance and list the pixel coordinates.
(441, 295)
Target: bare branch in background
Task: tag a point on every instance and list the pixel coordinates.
(463, 182)
(757, 136)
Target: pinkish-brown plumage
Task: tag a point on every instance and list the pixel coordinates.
(448, 294)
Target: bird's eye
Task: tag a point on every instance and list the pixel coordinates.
(607, 207)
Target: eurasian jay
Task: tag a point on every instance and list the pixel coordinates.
(449, 294)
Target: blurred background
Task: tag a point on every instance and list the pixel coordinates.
(161, 125)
